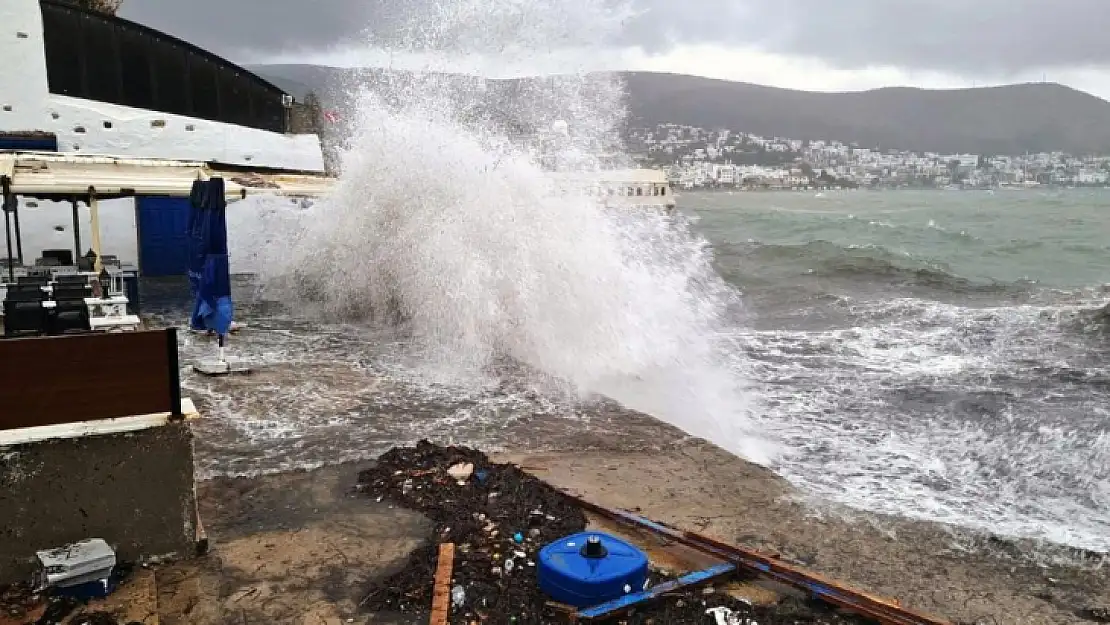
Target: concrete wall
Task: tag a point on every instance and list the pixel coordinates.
(134, 489)
(26, 105)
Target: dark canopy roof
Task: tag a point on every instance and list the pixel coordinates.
(110, 59)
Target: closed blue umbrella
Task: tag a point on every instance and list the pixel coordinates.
(208, 253)
(196, 242)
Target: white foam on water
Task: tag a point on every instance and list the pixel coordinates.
(444, 231)
(970, 450)
(442, 226)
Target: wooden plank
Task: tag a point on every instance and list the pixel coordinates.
(102, 427)
(87, 377)
(441, 591)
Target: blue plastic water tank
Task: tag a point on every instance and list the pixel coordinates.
(590, 568)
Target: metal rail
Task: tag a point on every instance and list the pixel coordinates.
(628, 602)
(886, 611)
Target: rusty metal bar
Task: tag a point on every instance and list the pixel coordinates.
(441, 590)
(885, 611)
(627, 602)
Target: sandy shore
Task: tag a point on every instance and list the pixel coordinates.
(300, 547)
(964, 577)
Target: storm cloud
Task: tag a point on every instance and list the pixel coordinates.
(954, 36)
(957, 36)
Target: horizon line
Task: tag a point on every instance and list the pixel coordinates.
(974, 87)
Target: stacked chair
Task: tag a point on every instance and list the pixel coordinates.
(71, 314)
(26, 312)
(33, 279)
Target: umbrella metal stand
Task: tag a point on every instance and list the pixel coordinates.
(220, 365)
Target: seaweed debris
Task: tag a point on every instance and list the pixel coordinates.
(499, 517)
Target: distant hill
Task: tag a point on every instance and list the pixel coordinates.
(1011, 119)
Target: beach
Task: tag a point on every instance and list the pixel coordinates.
(304, 547)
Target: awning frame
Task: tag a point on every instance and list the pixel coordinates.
(93, 178)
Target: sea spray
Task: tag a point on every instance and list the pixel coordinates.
(445, 227)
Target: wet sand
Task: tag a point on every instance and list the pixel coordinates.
(300, 547)
(965, 577)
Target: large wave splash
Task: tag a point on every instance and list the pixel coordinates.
(444, 226)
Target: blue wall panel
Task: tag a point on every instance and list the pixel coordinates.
(38, 144)
(163, 236)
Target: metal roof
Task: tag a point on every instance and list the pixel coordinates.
(614, 176)
(43, 174)
(127, 24)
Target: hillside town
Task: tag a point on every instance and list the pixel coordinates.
(699, 158)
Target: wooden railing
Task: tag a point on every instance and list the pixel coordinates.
(86, 377)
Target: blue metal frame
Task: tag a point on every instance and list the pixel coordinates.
(690, 579)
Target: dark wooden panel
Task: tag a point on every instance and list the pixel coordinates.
(102, 57)
(68, 379)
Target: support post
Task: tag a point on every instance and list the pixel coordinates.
(18, 234)
(76, 231)
(94, 218)
(5, 190)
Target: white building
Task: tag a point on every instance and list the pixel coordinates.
(77, 81)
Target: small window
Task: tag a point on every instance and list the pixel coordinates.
(639, 190)
(663, 191)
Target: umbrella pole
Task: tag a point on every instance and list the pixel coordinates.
(18, 233)
(76, 230)
(7, 199)
(94, 218)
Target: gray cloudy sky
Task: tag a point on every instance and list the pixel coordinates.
(984, 40)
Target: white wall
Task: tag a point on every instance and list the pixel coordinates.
(79, 125)
(26, 104)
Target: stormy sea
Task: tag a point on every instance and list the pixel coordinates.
(937, 355)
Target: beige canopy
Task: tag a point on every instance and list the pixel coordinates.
(93, 177)
(48, 174)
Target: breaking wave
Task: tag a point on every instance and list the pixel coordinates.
(446, 229)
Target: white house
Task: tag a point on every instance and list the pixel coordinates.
(76, 81)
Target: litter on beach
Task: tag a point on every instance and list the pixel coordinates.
(524, 553)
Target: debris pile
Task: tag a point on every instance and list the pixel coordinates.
(498, 518)
(60, 593)
(20, 604)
